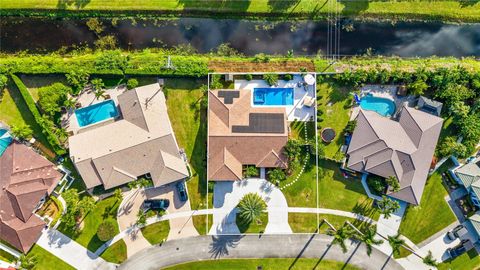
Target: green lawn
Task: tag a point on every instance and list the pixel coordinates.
(256, 226)
(46, 260)
(116, 253)
(87, 237)
(157, 232)
(433, 214)
(7, 257)
(337, 192)
(267, 264)
(200, 223)
(467, 261)
(14, 111)
(334, 112)
(190, 127)
(307, 223)
(442, 10)
(34, 82)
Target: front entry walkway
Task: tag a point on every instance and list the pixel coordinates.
(227, 195)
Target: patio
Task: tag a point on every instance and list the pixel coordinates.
(297, 111)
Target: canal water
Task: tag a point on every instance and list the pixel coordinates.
(248, 37)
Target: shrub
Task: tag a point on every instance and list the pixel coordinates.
(225, 49)
(132, 83)
(288, 77)
(22, 131)
(251, 206)
(251, 171)
(417, 88)
(351, 125)
(106, 230)
(106, 43)
(271, 78)
(77, 79)
(51, 98)
(248, 77)
(112, 60)
(376, 185)
(95, 25)
(3, 81)
(261, 58)
(450, 146)
(292, 149)
(215, 82)
(276, 176)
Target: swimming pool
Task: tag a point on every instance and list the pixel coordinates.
(96, 113)
(273, 96)
(5, 140)
(382, 106)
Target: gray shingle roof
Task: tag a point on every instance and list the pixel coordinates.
(402, 148)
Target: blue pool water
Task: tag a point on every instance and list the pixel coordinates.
(96, 113)
(5, 140)
(273, 96)
(382, 106)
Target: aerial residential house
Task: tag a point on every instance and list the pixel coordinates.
(240, 134)
(474, 220)
(401, 148)
(140, 142)
(468, 175)
(26, 179)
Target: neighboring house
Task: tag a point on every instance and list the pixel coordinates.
(402, 148)
(26, 179)
(240, 134)
(429, 105)
(140, 143)
(468, 175)
(475, 221)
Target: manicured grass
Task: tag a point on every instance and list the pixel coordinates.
(14, 112)
(334, 112)
(157, 232)
(256, 226)
(190, 128)
(267, 264)
(433, 214)
(116, 253)
(6, 257)
(34, 82)
(87, 237)
(467, 261)
(200, 223)
(442, 10)
(298, 130)
(307, 223)
(337, 192)
(46, 260)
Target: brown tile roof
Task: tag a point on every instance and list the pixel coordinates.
(229, 150)
(402, 148)
(25, 178)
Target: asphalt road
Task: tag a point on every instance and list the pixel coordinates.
(251, 246)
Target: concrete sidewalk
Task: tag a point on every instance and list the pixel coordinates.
(71, 252)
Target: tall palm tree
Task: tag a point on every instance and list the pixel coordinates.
(251, 207)
(368, 238)
(340, 236)
(388, 206)
(392, 181)
(429, 260)
(99, 93)
(69, 103)
(27, 262)
(396, 243)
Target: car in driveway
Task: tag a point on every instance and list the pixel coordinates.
(156, 204)
(182, 191)
(457, 232)
(459, 249)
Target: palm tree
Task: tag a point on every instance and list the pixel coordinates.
(27, 262)
(70, 103)
(251, 207)
(396, 242)
(429, 260)
(368, 237)
(118, 195)
(99, 93)
(141, 218)
(340, 236)
(392, 181)
(388, 206)
(22, 131)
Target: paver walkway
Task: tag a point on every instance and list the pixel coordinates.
(227, 195)
(71, 252)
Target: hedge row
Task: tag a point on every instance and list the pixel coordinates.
(52, 139)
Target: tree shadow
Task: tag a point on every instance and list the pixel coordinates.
(218, 5)
(354, 7)
(222, 243)
(303, 249)
(468, 3)
(64, 4)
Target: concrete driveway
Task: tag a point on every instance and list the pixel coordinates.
(127, 216)
(251, 246)
(227, 195)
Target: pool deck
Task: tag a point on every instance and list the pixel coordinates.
(294, 112)
(87, 98)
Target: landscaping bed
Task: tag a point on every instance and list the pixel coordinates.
(157, 232)
(256, 226)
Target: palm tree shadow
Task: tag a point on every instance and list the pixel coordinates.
(303, 249)
(222, 243)
(354, 7)
(467, 3)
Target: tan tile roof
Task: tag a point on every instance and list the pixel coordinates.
(402, 148)
(25, 178)
(228, 150)
(137, 144)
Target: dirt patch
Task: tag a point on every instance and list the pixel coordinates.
(272, 66)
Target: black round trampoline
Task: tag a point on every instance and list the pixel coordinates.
(328, 134)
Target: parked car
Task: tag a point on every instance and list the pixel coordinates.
(156, 204)
(457, 232)
(459, 249)
(182, 191)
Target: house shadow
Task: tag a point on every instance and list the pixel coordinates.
(221, 244)
(78, 4)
